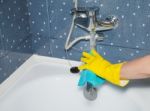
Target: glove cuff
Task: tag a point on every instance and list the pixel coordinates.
(119, 81)
(112, 74)
(123, 82)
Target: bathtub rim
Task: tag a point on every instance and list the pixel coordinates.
(27, 65)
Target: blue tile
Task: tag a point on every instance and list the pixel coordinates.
(15, 23)
(1, 46)
(10, 63)
(41, 45)
(57, 47)
(15, 36)
(39, 18)
(120, 54)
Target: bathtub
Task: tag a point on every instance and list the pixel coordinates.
(46, 84)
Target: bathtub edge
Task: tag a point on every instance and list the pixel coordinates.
(33, 60)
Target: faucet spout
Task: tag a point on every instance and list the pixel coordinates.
(90, 92)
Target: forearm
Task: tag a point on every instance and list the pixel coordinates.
(136, 69)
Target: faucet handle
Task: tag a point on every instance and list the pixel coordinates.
(113, 19)
(109, 21)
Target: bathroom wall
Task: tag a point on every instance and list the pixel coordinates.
(15, 37)
(41, 27)
(50, 22)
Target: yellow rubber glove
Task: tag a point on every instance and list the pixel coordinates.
(103, 68)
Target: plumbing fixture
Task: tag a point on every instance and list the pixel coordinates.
(86, 19)
(90, 92)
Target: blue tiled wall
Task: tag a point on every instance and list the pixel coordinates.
(50, 21)
(42, 26)
(15, 37)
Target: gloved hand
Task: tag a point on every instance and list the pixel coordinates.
(87, 76)
(103, 68)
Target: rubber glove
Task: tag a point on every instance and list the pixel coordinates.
(87, 76)
(103, 68)
(90, 77)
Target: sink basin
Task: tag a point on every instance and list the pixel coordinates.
(45, 84)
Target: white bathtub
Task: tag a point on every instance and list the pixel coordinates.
(45, 84)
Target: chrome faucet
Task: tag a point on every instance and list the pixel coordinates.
(85, 18)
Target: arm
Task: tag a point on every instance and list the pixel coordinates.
(136, 69)
(103, 68)
(119, 73)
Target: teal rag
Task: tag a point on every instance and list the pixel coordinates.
(90, 77)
